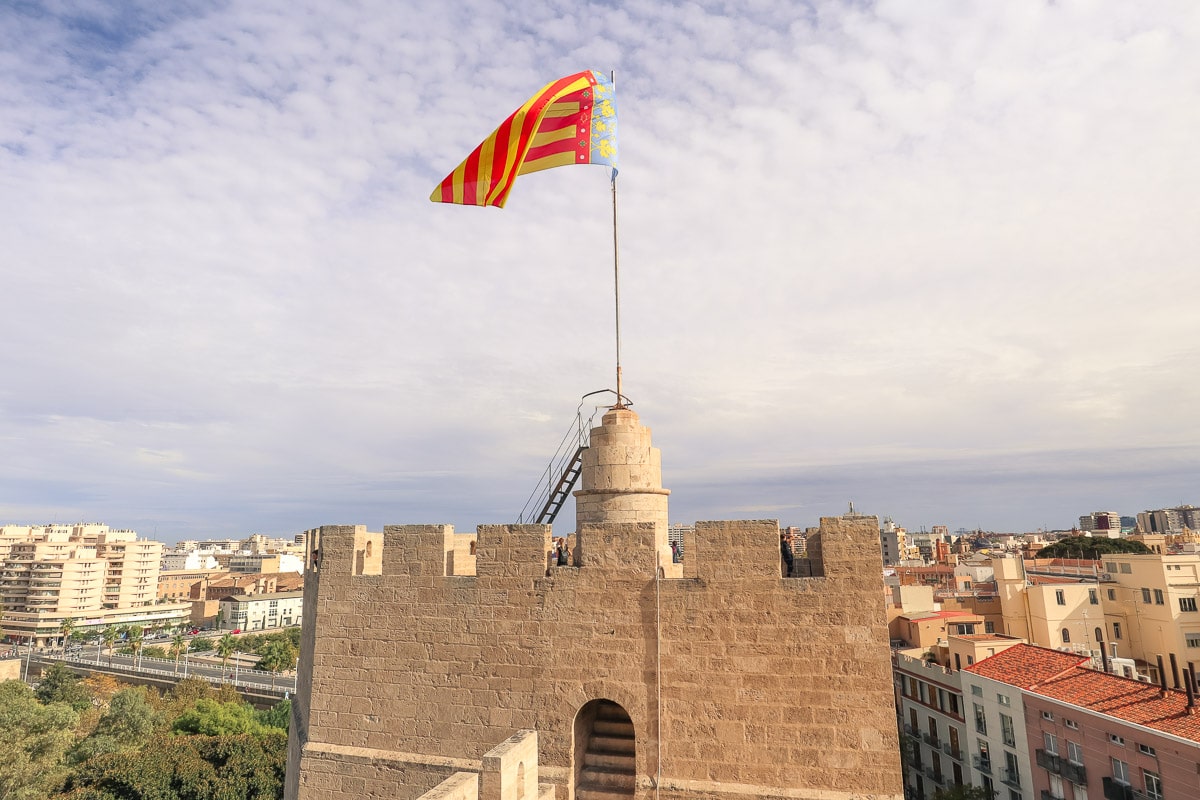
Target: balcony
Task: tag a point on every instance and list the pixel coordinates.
(934, 775)
(1116, 790)
(952, 751)
(1046, 795)
(1075, 773)
(1011, 777)
(1050, 761)
(982, 764)
(931, 739)
(909, 730)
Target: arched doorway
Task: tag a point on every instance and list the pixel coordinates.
(605, 752)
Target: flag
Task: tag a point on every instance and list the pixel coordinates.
(572, 120)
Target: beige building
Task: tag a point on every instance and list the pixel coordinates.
(715, 677)
(1065, 611)
(87, 573)
(1151, 610)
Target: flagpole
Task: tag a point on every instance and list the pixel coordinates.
(616, 272)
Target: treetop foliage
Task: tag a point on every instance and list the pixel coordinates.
(1089, 547)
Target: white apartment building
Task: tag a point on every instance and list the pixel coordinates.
(256, 612)
(996, 737)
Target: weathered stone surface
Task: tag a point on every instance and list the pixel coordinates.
(738, 681)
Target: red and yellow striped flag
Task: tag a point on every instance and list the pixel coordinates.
(572, 120)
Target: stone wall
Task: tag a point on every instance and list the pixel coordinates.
(738, 681)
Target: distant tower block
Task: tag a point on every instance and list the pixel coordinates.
(622, 479)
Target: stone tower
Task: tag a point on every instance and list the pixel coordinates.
(423, 650)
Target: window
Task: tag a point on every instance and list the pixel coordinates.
(1093, 598)
(1056, 786)
(1003, 700)
(1145, 595)
(1075, 752)
(1046, 715)
(1115, 739)
(1080, 791)
(1153, 785)
(1187, 604)
(1072, 724)
(1012, 766)
(1193, 639)
(1066, 634)
(923, 691)
(980, 719)
(1013, 794)
(1112, 594)
(1126, 568)
(1051, 742)
(1158, 597)
(989, 627)
(954, 705)
(1116, 630)
(1110, 566)
(977, 690)
(1060, 597)
(1147, 750)
(1120, 771)
(1007, 731)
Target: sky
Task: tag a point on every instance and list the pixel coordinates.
(936, 258)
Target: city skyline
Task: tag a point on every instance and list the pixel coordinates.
(934, 260)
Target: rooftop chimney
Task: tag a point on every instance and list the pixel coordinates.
(1162, 677)
(1188, 677)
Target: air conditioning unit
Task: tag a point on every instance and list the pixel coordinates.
(1144, 678)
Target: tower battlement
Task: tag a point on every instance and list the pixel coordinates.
(715, 678)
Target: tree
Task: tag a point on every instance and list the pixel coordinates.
(135, 636)
(277, 656)
(128, 723)
(66, 626)
(226, 647)
(963, 792)
(1091, 547)
(33, 740)
(202, 645)
(278, 715)
(110, 636)
(60, 685)
(178, 647)
(212, 718)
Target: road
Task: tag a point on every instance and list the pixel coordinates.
(193, 667)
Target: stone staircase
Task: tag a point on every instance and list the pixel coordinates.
(609, 771)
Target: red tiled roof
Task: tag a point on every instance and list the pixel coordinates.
(1126, 699)
(1060, 676)
(1025, 665)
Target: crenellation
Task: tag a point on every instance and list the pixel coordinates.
(413, 675)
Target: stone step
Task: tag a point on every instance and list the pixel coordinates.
(613, 727)
(611, 711)
(612, 744)
(601, 793)
(608, 778)
(600, 758)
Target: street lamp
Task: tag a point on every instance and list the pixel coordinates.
(186, 646)
(236, 664)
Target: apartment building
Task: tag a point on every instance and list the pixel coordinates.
(256, 612)
(1096, 735)
(85, 573)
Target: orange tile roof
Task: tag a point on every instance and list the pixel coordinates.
(1026, 665)
(1061, 676)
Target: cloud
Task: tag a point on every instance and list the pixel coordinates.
(850, 234)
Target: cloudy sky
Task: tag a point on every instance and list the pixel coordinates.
(938, 258)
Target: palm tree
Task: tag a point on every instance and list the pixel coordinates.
(110, 636)
(226, 647)
(135, 636)
(66, 626)
(277, 656)
(178, 645)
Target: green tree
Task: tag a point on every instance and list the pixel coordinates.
(277, 656)
(963, 792)
(110, 636)
(129, 722)
(1089, 547)
(60, 685)
(226, 647)
(191, 767)
(33, 741)
(278, 715)
(65, 627)
(212, 718)
(135, 636)
(202, 645)
(179, 646)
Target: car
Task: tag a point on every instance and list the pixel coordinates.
(237, 631)
(193, 631)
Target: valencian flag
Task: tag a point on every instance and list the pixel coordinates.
(572, 120)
